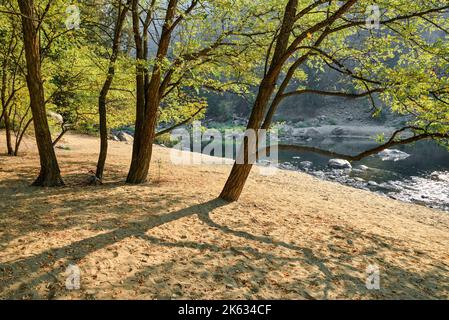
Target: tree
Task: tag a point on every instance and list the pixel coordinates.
(203, 36)
(122, 10)
(307, 32)
(11, 81)
(49, 175)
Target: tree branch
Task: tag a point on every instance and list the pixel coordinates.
(390, 143)
(164, 131)
(335, 94)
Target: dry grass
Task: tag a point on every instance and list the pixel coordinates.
(290, 236)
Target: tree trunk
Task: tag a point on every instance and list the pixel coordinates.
(147, 110)
(136, 162)
(49, 175)
(19, 138)
(103, 137)
(140, 164)
(9, 147)
(122, 12)
(240, 172)
(59, 137)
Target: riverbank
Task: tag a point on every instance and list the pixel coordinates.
(291, 236)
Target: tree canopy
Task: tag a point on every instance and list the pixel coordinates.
(110, 63)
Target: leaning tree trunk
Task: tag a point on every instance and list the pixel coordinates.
(49, 175)
(240, 172)
(20, 136)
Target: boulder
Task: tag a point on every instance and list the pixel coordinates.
(125, 137)
(305, 164)
(439, 176)
(287, 166)
(393, 155)
(339, 164)
(319, 174)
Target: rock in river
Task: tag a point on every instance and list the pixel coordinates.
(305, 164)
(339, 164)
(393, 155)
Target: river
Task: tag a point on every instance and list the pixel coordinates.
(422, 178)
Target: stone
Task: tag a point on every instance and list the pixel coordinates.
(439, 176)
(305, 164)
(339, 164)
(125, 137)
(393, 155)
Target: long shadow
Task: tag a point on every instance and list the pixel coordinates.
(430, 284)
(433, 284)
(249, 259)
(18, 202)
(310, 257)
(77, 250)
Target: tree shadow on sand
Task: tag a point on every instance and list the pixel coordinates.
(64, 207)
(12, 271)
(335, 275)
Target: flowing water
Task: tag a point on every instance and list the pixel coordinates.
(422, 178)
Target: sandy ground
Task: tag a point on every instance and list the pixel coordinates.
(291, 236)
